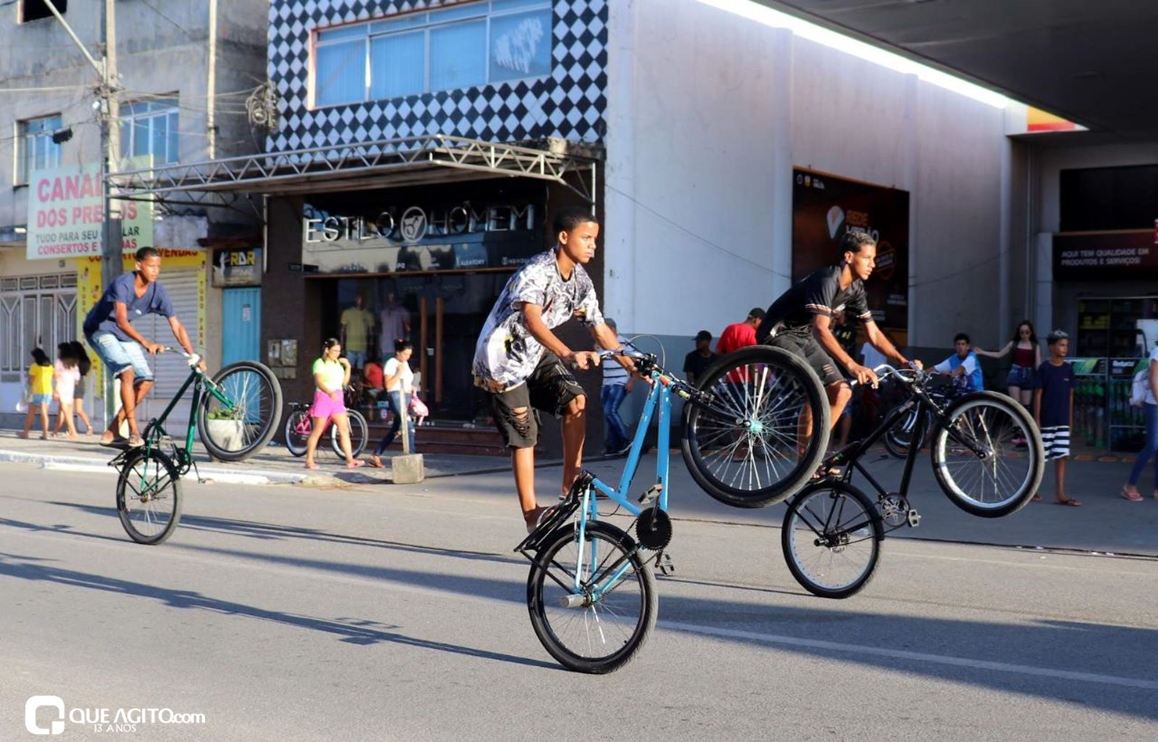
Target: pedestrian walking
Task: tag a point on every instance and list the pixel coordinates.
(1150, 449)
(65, 377)
(331, 375)
(40, 386)
(399, 383)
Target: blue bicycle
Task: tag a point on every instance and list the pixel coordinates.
(755, 431)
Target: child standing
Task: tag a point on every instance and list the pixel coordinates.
(66, 375)
(40, 386)
(83, 366)
(1053, 408)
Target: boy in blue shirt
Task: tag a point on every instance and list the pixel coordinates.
(963, 366)
(109, 331)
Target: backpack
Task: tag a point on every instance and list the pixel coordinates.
(1139, 387)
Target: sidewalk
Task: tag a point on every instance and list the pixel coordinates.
(1106, 524)
(273, 465)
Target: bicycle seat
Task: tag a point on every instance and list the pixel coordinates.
(299, 405)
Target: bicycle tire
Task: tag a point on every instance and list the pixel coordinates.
(295, 442)
(831, 538)
(744, 449)
(609, 632)
(359, 435)
(1009, 476)
(148, 496)
(898, 437)
(254, 407)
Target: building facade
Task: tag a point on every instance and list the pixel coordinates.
(182, 85)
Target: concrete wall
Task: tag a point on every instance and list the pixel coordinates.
(708, 113)
(162, 49)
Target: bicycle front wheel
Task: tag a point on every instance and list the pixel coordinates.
(763, 433)
(831, 539)
(987, 455)
(148, 497)
(592, 602)
(295, 439)
(241, 421)
(359, 434)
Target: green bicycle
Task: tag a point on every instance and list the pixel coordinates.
(235, 413)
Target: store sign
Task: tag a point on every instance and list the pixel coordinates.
(418, 238)
(825, 207)
(236, 267)
(66, 215)
(1104, 256)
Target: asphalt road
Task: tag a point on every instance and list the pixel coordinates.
(371, 611)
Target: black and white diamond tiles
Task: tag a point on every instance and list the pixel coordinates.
(569, 104)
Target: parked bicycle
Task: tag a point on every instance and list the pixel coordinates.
(235, 413)
(987, 458)
(591, 591)
(298, 426)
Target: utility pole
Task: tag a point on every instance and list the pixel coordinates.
(109, 112)
(108, 115)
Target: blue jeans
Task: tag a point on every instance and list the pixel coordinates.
(1150, 415)
(400, 405)
(611, 397)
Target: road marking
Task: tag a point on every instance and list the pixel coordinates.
(900, 654)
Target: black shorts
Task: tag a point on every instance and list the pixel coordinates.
(801, 342)
(550, 388)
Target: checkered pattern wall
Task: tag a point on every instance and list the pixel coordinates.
(568, 104)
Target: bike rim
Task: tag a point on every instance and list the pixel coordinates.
(147, 501)
(1006, 470)
(845, 553)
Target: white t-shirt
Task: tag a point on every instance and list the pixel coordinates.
(405, 383)
(1149, 391)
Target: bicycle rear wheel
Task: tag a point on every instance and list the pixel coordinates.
(593, 602)
(359, 434)
(1007, 472)
(236, 427)
(295, 439)
(148, 496)
(831, 538)
(748, 447)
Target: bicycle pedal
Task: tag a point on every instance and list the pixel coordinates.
(914, 518)
(650, 494)
(664, 564)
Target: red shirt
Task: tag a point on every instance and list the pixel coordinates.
(734, 337)
(373, 375)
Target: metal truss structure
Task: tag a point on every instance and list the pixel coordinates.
(388, 163)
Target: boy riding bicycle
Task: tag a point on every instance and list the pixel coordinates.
(800, 321)
(525, 367)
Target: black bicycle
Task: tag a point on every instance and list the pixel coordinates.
(987, 458)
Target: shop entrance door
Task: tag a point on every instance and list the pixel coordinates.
(241, 325)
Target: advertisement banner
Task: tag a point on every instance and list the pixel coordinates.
(66, 214)
(824, 207)
(1106, 256)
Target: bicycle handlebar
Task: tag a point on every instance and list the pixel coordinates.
(193, 358)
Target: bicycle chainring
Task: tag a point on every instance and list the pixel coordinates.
(894, 509)
(653, 529)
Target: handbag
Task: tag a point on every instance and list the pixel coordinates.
(25, 400)
(418, 407)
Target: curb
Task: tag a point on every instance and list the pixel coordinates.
(210, 473)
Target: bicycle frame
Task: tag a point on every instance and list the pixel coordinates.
(851, 455)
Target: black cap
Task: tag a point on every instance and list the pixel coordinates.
(703, 335)
(756, 312)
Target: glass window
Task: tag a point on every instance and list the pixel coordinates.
(462, 46)
(34, 10)
(150, 128)
(340, 73)
(35, 148)
(520, 45)
(394, 72)
(458, 55)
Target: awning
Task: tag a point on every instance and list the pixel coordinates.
(389, 163)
